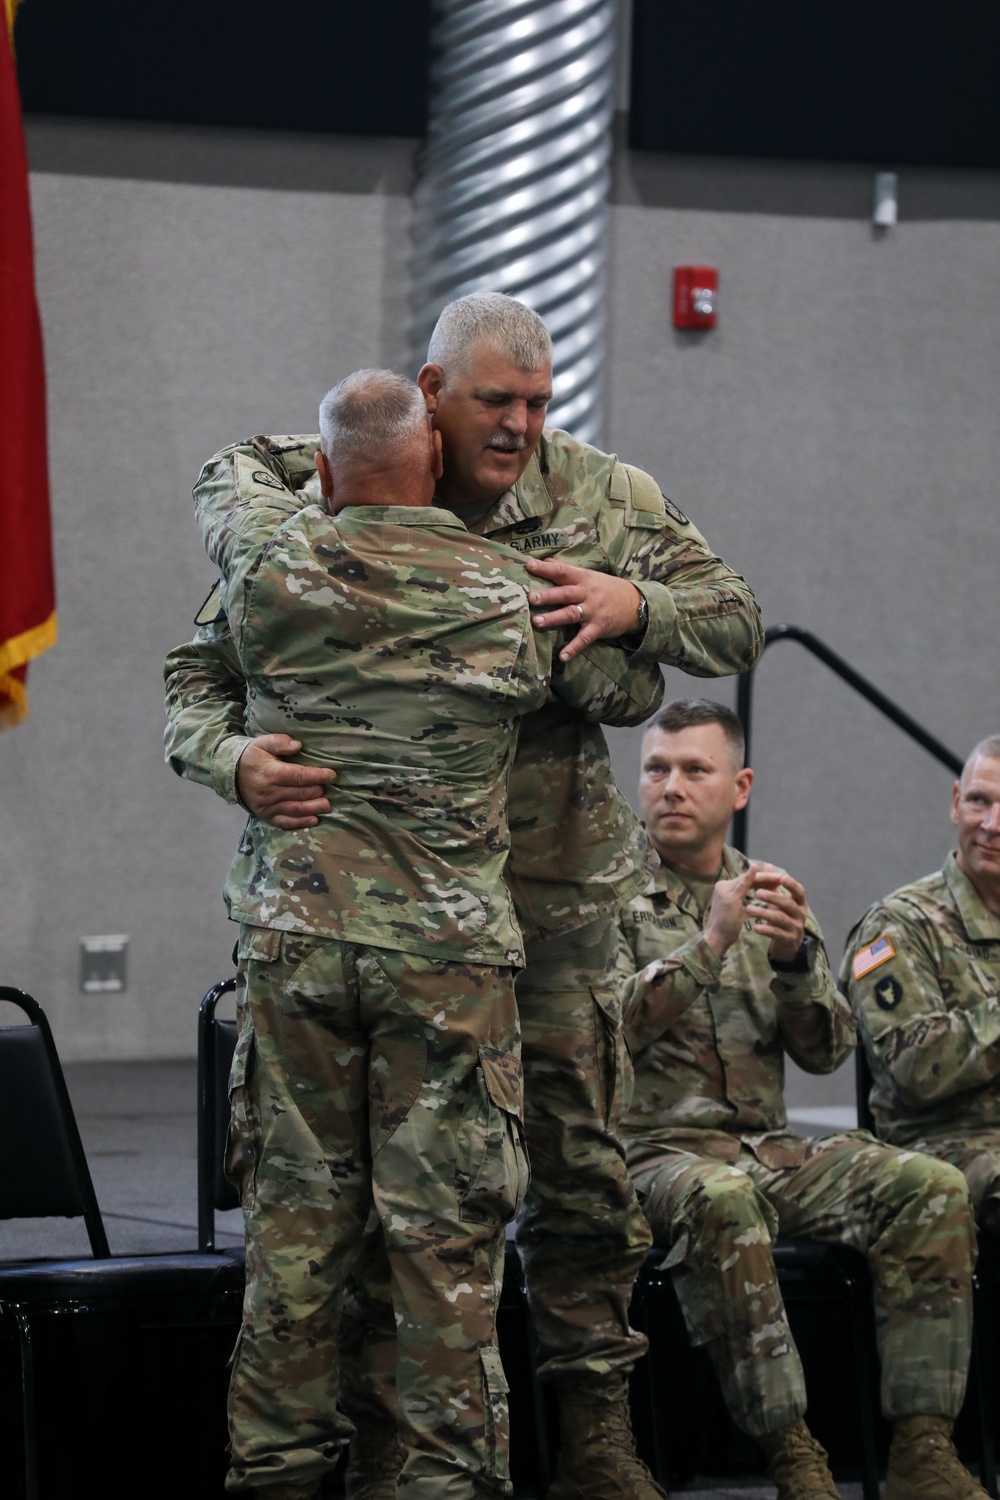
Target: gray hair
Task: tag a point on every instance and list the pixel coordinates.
(685, 713)
(369, 412)
(989, 748)
(492, 318)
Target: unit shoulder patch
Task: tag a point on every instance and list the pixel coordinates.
(267, 479)
(869, 958)
(888, 992)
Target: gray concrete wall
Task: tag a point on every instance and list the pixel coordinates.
(178, 316)
(835, 437)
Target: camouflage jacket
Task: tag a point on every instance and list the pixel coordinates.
(399, 649)
(709, 1036)
(577, 848)
(922, 969)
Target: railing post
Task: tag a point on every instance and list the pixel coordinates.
(854, 679)
(744, 707)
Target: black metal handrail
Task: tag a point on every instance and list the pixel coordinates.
(854, 679)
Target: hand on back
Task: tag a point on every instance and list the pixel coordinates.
(277, 791)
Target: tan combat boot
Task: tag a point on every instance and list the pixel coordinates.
(797, 1464)
(374, 1459)
(597, 1457)
(923, 1464)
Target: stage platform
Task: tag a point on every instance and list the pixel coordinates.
(138, 1126)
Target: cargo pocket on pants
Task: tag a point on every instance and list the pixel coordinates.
(492, 1161)
(496, 1416)
(613, 1060)
(243, 1139)
(243, 1136)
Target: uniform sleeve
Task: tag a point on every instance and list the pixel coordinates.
(703, 617)
(205, 690)
(205, 702)
(608, 685)
(241, 497)
(817, 1027)
(931, 1049)
(654, 997)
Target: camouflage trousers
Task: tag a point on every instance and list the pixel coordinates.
(581, 1233)
(976, 1154)
(370, 1084)
(909, 1215)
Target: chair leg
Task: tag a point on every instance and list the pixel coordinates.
(29, 1429)
(983, 1324)
(646, 1375)
(542, 1447)
(859, 1314)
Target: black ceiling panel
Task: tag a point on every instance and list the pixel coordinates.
(354, 66)
(893, 82)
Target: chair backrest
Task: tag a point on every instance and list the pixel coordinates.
(863, 1087)
(216, 1045)
(43, 1168)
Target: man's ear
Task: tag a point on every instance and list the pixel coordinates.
(744, 781)
(325, 475)
(431, 383)
(956, 793)
(437, 454)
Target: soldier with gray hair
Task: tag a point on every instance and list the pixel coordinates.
(368, 416)
(625, 565)
(377, 1072)
(922, 970)
(509, 327)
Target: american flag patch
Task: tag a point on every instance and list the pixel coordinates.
(869, 958)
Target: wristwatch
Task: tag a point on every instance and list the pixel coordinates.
(802, 962)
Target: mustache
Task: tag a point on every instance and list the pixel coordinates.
(508, 442)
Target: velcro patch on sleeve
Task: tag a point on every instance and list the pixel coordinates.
(869, 958)
(211, 611)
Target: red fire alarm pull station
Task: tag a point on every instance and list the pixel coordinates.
(696, 296)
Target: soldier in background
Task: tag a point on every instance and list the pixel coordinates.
(922, 969)
(626, 565)
(378, 1063)
(724, 972)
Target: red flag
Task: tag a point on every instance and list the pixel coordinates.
(27, 588)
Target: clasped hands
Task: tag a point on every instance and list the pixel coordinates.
(770, 899)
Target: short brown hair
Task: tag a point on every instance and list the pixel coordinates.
(684, 713)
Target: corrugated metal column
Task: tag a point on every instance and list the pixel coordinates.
(513, 180)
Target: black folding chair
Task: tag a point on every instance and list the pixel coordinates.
(216, 1045)
(863, 1089)
(43, 1169)
(105, 1362)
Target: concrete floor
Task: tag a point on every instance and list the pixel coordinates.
(138, 1125)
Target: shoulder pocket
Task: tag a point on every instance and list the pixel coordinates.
(645, 505)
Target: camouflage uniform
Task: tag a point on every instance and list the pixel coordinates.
(720, 1174)
(577, 852)
(922, 969)
(378, 1064)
